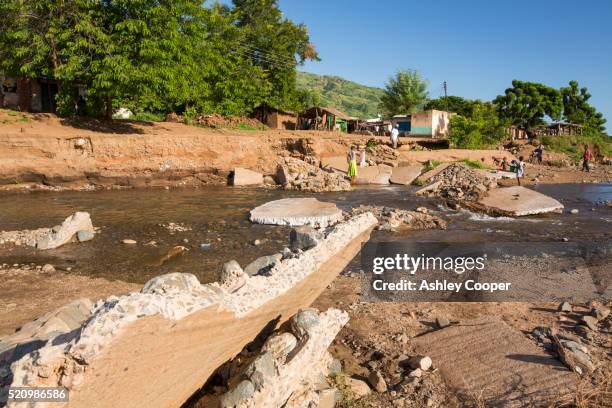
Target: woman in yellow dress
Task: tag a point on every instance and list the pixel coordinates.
(351, 157)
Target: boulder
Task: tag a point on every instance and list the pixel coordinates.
(377, 381)
(262, 264)
(304, 321)
(245, 177)
(296, 211)
(404, 175)
(280, 345)
(232, 277)
(303, 237)
(66, 232)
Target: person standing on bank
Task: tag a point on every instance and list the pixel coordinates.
(351, 158)
(394, 136)
(586, 158)
(362, 156)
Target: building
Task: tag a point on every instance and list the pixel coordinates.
(430, 123)
(29, 95)
(322, 118)
(275, 118)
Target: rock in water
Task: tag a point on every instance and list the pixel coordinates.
(245, 177)
(297, 211)
(62, 234)
(303, 237)
(262, 264)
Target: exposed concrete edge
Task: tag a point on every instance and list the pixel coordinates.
(111, 316)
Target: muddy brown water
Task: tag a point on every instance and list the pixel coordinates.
(219, 229)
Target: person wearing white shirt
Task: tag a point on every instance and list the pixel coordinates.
(394, 136)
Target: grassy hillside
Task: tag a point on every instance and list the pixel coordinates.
(350, 97)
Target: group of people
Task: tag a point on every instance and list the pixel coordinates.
(351, 157)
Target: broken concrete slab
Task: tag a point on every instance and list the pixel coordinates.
(66, 232)
(335, 163)
(425, 177)
(405, 175)
(246, 177)
(497, 174)
(485, 357)
(518, 201)
(374, 174)
(296, 211)
(117, 354)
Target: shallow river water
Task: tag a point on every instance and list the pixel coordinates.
(218, 229)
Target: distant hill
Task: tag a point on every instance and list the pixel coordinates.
(350, 97)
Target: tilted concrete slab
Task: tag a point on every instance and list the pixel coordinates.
(246, 177)
(425, 177)
(487, 358)
(156, 348)
(296, 211)
(405, 175)
(335, 163)
(374, 174)
(518, 201)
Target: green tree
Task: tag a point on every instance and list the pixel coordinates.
(576, 108)
(456, 104)
(404, 93)
(275, 44)
(527, 103)
(482, 128)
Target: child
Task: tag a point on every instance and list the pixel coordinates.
(351, 158)
(520, 170)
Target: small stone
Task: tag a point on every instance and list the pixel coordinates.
(328, 398)
(590, 322)
(335, 367)
(422, 362)
(262, 264)
(442, 322)
(257, 242)
(358, 388)
(422, 210)
(377, 381)
(129, 241)
(565, 239)
(279, 346)
(48, 268)
(244, 390)
(232, 277)
(304, 321)
(303, 237)
(600, 312)
(574, 211)
(565, 307)
(261, 368)
(85, 235)
(416, 373)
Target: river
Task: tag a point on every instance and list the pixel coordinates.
(218, 228)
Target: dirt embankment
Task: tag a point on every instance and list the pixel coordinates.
(42, 150)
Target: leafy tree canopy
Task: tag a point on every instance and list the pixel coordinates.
(481, 128)
(576, 108)
(527, 103)
(405, 92)
(456, 104)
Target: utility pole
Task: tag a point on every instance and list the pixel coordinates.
(445, 94)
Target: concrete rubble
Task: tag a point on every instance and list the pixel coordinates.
(77, 227)
(292, 365)
(405, 175)
(391, 219)
(296, 174)
(114, 353)
(378, 174)
(457, 181)
(296, 211)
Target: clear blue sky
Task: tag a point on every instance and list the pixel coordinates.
(477, 46)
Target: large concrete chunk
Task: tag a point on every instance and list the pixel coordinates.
(297, 211)
(486, 357)
(156, 349)
(79, 221)
(374, 174)
(245, 177)
(405, 175)
(518, 201)
(335, 163)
